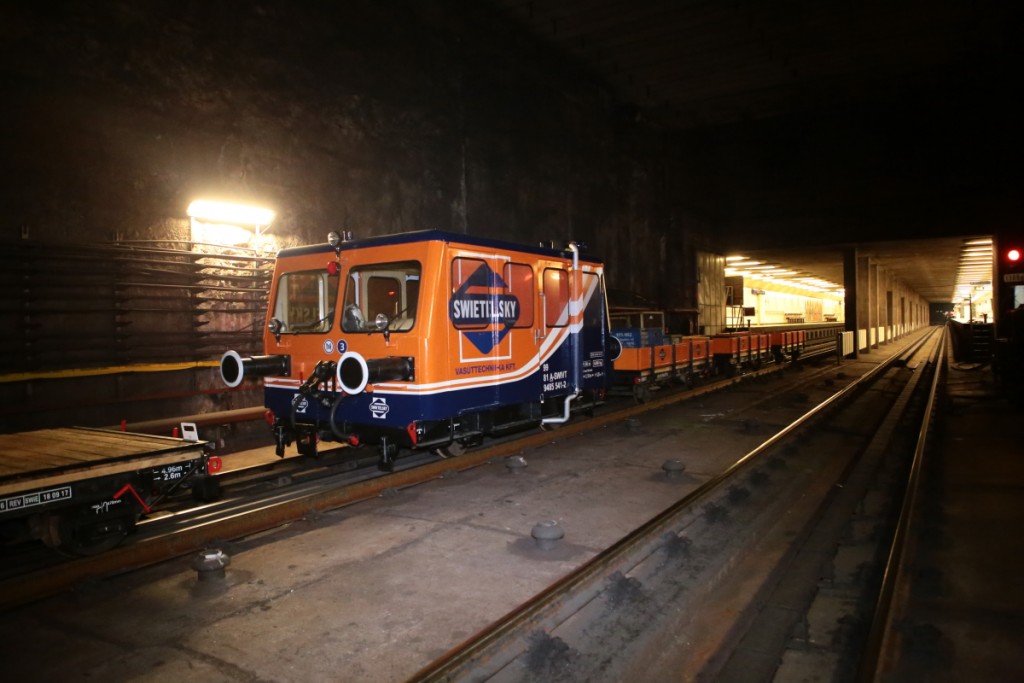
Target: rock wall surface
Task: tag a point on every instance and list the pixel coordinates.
(374, 117)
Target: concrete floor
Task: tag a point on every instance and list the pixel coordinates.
(375, 591)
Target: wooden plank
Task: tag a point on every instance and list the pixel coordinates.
(91, 445)
(47, 449)
(142, 442)
(84, 444)
(45, 442)
(36, 457)
(33, 444)
(20, 468)
(28, 461)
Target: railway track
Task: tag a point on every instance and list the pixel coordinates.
(256, 503)
(741, 574)
(882, 651)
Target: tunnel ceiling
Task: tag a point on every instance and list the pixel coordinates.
(928, 266)
(696, 64)
(862, 122)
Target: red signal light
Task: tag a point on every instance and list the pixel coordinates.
(1013, 255)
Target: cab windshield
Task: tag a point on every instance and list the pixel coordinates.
(306, 301)
(381, 297)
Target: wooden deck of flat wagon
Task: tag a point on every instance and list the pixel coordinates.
(82, 490)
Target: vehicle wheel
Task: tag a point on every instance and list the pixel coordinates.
(74, 533)
(642, 393)
(206, 489)
(452, 450)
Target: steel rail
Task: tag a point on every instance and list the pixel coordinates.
(819, 540)
(881, 629)
(581, 585)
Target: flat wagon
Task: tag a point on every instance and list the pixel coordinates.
(82, 490)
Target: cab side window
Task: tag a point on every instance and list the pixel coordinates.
(520, 283)
(556, 297)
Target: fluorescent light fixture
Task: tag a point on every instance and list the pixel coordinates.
(233, 214)
(225, 223)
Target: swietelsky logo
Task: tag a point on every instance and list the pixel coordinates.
(483, 301)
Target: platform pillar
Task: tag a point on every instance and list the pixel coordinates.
(852, 292)
(871, 278)
(888, 285)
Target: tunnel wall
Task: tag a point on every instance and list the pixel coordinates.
(363, 116)
(369, 117)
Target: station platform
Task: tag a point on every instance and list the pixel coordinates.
(962, 618)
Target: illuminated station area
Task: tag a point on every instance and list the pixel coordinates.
(973, 298)
(763, 293)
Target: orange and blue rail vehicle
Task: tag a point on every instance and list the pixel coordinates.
(427, 339)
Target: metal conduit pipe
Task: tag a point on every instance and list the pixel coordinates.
(576, 352)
